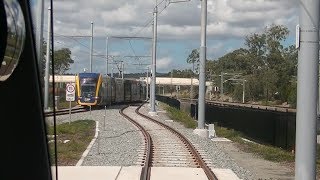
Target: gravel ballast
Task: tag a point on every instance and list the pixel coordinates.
(121, 143)
(118, 142)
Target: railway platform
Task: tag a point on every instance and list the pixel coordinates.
(133, 173)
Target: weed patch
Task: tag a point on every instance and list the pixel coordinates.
(79, 133)
(177, 115)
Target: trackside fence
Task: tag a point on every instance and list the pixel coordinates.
(260, 125)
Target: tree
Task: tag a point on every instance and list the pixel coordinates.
(194, 57)
(186, 73)
(269, 58)
(268, 66)
(62, 61)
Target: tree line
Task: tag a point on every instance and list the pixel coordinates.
(268, 66)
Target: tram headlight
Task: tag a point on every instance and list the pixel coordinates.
(12, 37)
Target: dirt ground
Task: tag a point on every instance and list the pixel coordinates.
(263, 169)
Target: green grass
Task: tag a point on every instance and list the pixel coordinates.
(80, 134)
(177, 115)
(267, 152)
(228, 133)
(66, 105)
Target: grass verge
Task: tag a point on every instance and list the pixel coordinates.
(267, 152)
(179, 116)
(79, 133)
(66, 105)
(270, 153)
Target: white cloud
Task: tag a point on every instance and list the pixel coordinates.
(241, 17)
(164, 64)
(227, 20)
(215, 50)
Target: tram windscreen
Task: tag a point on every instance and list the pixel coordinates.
(88, 89)
(84, 81)
(88, 86)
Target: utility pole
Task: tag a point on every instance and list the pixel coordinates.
(307, 90)
(154, 56)
(240, 83)
(91, 46)
(202, 75)
(46, 80)
(40, 31)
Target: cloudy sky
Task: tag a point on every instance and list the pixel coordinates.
(229, 21)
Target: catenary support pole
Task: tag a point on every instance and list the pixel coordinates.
(150, 88)
(107, 53)
(150, 82)
(154, 56)
(307, 90)
(147, 92)
(202, 75)
(46, 80)
(91, 46)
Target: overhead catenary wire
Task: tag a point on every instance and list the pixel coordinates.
(134, 53)
(86, 52)
(99, 55)
(74, 39)
(150, 21)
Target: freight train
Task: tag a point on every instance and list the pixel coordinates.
(96, 89)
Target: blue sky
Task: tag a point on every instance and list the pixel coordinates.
(178, 29)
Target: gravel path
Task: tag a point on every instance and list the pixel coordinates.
(118, 141)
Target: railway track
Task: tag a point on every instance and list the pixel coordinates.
(164, 146)
(65, 111)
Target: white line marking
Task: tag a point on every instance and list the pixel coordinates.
(85, 153)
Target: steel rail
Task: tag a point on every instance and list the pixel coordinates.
(202, 164)
(65, 111)
(146, 170)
